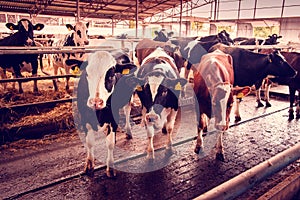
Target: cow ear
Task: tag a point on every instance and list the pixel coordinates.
(134, 82)
(87, 24)
(11, 26)
(38, 27)
(170, 34)
(125, 68)
(69, 27)
(175, 84)
(156, 32)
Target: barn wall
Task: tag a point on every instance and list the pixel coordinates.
(290, 29)
(244, 30)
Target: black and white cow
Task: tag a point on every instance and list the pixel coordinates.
(99, 80)
(251, 68)
(78, 37)
(271, 40)
(163, 35)
(23, 37)
(158, 87)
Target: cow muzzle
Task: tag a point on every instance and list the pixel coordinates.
(96, 103)
(151, 117)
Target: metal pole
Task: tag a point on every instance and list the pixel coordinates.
(136, 17)
(281, 16)
(78, 11)
(180, 18)
(112, 27)
(241, 183)
(239, 10)
(254, 12)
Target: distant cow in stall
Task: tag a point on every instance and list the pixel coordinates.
(99, 80)
(78, 37)
(222, 37)
(271, 40)
(293, 58)
(158, 87)
(213, 87)
(163, 35)
(251, 68)
(23, 37)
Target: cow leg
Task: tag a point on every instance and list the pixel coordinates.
(3, 76)
(237, 109)
(292, 100)
(110, 144)
(67, 68)
(267, 95)
(127, 109)
(199, 142)
(150, 148)
(219, 147)
(90, 143)
(170, 127)
(298, 107)
(35, 88)
(258, 98)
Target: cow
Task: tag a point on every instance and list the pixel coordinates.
(271, 40)
(78, 37)
(163, 35)
(146, 46)
(23, 37)
(251, 68)
(213, 87)
(293, 58)
(99, 80)
(222, 37)
(158, 86)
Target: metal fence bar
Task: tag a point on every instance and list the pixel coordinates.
(26, 79)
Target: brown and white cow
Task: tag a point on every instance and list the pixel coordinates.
(213, 87)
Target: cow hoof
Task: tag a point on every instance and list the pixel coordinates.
(197, 149)
(237, 118)
(268, 105)
(220, 157)
(291, 116)
(259, 104)
(298, 116)
(111, 173)
(128, 136)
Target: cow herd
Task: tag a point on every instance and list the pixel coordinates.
(222, 73)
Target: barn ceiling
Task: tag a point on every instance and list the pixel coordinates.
(105, 9)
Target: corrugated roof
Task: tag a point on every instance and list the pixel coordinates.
(105, 9)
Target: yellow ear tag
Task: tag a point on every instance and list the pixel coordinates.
(240, 95)
(38, 28)
(139, 88)
(11, 28)
(178, 86)
(125, 71)
(76, 71)
(69, 29)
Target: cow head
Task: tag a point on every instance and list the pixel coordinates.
(278, 66)
(25, 29)
(272, 39)
(224, 38)
(101, 72)
(80, 33)
(158, 85)
(163, 35)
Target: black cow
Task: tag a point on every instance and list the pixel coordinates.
(23, 37)
(158, 87)
(271, 40)
(251, 68)
(100, 78)
(222, 37)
